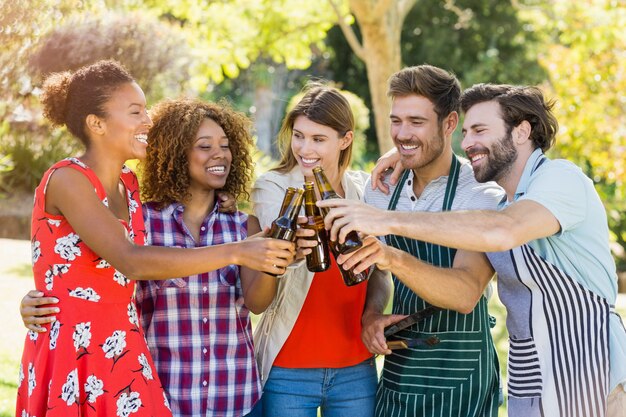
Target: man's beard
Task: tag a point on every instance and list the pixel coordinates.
(435, 149)
(499, 160)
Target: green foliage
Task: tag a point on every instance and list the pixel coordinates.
(231, 34)
(28, 155)
(585, 62)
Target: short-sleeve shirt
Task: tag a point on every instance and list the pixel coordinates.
(580, 248)
(198, 328)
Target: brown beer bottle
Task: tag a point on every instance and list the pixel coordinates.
(286, 199)
(284, 226)
(352, 241)
(319, 258)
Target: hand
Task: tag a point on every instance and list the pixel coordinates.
(33, 315)
(390, 160)
(373, 327)
(303, 243)
(348, 215)
(372, 252)
(266, 254)
(228, 204)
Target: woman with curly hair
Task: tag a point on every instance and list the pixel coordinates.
(198, 327)
(91, 357)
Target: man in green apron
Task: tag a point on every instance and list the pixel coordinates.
(548, 241)
(459, 375)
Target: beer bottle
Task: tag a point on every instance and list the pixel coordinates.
(352, 241)
(319, 258)
(286, 199)
(284, 226)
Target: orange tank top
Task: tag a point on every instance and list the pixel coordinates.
(327, 333)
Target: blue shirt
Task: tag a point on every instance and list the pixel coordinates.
(581, 247)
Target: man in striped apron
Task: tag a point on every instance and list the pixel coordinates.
(549, 244)
(459, 376)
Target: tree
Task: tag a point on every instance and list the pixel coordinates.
(380, 23)
(228, 36)
(495, 45)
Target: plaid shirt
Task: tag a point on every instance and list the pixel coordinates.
(197, 327)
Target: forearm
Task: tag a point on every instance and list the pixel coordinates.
(450, 288)
(379, 291)
(157, 263)
(259, 289)
(477, 230)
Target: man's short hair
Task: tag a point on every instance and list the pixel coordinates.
(518, 103)
(441, 87)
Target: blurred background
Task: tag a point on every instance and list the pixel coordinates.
(259, 53)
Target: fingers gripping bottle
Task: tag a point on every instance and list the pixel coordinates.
(352, 241)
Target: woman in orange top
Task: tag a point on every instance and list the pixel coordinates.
(308, 342)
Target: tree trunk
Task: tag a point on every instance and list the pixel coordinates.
(380, 22)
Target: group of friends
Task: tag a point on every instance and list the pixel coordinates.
(143, 305)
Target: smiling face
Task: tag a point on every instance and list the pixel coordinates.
(126, 123)
(209, 157)
(488, 143)
(415, 131)
(314, 144)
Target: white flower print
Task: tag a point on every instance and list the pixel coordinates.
(31, 378)
(54, 334)
(67, 247)
(125, 169)
(35, 247)
(82, 336)
(132, 204)
(103, 264)
(20, 377)
(70, 390)
(54, 222)
(114, 345)
(78, 162)
(88, 294)
(94, 388)
(132, 314)
(57, 270)
(166, 402)
(33, 335)
(128, 404)
(120, 278)
(105, 201)
(146, 370)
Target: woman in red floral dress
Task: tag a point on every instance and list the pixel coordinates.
(87, 236)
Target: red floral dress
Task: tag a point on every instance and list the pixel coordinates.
(93, 360)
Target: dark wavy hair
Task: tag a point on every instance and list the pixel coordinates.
(518, 103)
(68, 98)
(165, 171)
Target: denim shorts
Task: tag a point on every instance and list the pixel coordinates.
(338, 392)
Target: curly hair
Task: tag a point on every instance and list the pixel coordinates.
(165, 171)
(69, 98)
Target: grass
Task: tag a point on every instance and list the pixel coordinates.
(9, 363)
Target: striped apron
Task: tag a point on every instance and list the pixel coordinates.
(559, 338)
(460, 375)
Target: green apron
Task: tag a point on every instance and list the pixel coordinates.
(458, 376)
